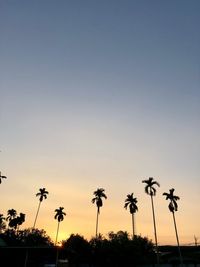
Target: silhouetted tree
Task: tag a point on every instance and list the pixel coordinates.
(131, 202)
(11, 214)
(120, 236)
(10, 237)
(34, 237)
(60, 217)
(121, 250)
(16, 222)
(173, 206)
(42, 194)
(151, 191)
(77, 249)
(2, 223)
(26, 256)
(2, 177)
(99, 194)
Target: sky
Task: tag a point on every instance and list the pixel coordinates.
(101, 94)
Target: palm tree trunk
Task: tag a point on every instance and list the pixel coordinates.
(133, 225)
(36, 214)
(179, 250)
(57, 233)
(97, 222)
(57, 251)
(155, 232)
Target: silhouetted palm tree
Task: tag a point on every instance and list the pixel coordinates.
(151, 191)
(2, 177)
(11, 214)
(16, 222)
(131, 202)
(21, 218)
(60, 217)
(99, 194)
(173, 206)
(43, 195)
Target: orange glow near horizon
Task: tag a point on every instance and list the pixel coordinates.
(81, 213)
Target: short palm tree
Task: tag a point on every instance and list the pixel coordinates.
(151, 191)
(17, 221)
(99, 194)
(60, 217)
(2, 177)
(42, 194)
(173, 206)
(131, 202)
(11, 214)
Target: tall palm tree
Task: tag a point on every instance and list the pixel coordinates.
(173, 206)
(2, 177)
(151, 191)
(99, 194)
(42, 194)
(60, 217)
(131, 202)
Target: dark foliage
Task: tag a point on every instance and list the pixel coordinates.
(32, 245)
(77, 249)
(119, 249)
(16, 222)
(116, 250)
(26, 237)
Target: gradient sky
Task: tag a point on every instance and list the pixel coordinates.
(101, 94)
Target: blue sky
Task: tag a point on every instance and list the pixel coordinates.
(100, 94)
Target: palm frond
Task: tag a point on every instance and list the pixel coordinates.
(146, 189)
(94, 199)
(145, 181)
(126, 205)
(155, 183)
(167, 195)
(104, 195)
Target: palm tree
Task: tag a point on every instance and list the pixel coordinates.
(43, 195)
(60, 217)
(21, 219)
(17, 221)
(99, 194)
(2, 177)
(11, 214)
(131, 202)
(151, 191)
(173, 206)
